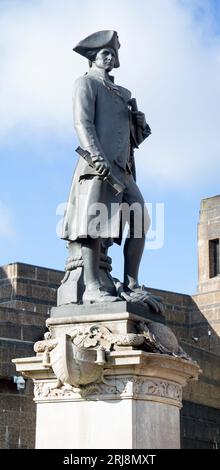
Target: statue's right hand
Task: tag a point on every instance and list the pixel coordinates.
(101, 166)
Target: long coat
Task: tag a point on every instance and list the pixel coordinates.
(102, 121)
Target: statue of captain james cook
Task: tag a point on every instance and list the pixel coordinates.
(109, 128)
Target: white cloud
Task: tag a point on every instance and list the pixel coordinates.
(169, 59)
(7, 224)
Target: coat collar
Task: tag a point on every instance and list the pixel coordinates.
(101, 74)
(108, 82)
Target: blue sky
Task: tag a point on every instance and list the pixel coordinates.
(170, 59)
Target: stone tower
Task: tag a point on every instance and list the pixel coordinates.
(208, 245)
(208, 296)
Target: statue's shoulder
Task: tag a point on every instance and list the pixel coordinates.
(85, 81)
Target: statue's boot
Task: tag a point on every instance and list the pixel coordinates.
(145, 296)
(140, 294)
(98, 295)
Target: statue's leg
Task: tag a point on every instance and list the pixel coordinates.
(133, 250)
(95, 291)
(91, 255)
(139, 223)
(106, 267)
(73, 286)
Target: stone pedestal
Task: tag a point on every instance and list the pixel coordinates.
(98, 386)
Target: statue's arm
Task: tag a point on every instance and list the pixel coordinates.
(84, 99)
(145, 132)
(142, 128)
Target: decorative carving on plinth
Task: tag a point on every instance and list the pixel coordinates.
(80, 358)
(160, 338)
(45, 347)
(120, 387)
(47, 390)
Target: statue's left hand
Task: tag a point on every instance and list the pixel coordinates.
(140, 118)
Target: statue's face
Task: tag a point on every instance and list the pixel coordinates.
(105, 59)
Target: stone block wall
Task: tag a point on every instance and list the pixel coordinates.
(17, 409)
(18, 332)
(206, 391)
(29, 287)
(24, 295)
(200, 426)
(195, 319)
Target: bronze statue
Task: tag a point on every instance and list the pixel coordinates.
(109, 127)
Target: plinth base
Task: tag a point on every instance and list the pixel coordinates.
(126, 398)
(137, 406)
(114, 424)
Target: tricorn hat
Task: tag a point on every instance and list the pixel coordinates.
(92, 44)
